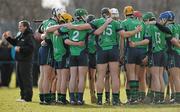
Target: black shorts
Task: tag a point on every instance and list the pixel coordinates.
(158, 59)
(92, 60)
(45, 56)
(173, 60)
(105, 56)
(65, 61)
(135, 55)
(81, 60)
(64, 64)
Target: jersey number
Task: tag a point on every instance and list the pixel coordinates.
(108, 31)
(75, 35)
(157, 38)
(138, 35)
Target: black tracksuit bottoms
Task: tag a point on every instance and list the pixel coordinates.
(24, 75)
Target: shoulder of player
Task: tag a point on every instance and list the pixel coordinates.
(143, 24)
(99, 20)
(48, 20)
(63, 30)
(76, 22)
(115, 22)
(125, 21)
(170, 26)
(52, 21)
(150, 27)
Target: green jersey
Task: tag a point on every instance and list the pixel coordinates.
(76, 35)
(58, 47)
(46, 24)
(130, 24)
(175, 29)
(57, 41)
(91, 43)
(108, 38)
(156, 37)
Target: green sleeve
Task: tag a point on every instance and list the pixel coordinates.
(51, 24)
(118, 26)
(63, 31)
(148, 34)
(123, 25)
(94, 24)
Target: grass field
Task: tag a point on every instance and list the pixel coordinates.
(8, 104)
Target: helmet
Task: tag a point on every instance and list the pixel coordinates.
(80, 12)
(128, 10)
(148, 16)
(167, 15)
(137, 14)
(114, 12)
(172, 17)
(164, 15)
(65, 17)
(57, 11)
(105, 12)
(90, 17)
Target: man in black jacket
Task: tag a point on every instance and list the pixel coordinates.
(24, 51)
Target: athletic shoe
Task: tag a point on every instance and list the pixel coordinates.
(59, 102)
(80, 102)
(134, 102)
(161, 102)
(41, 102)
(46, 103)
(116, 103)
(72, 102)
(99, 103)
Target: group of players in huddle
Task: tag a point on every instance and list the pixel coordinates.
(74, 47)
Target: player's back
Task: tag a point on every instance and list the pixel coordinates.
(157, 38)
(76, 36)
(175, 29)
(109, 36)
(130, 24)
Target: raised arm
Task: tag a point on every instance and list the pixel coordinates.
(85, 26)
(54, 28)
(103, 27)
(161, 27)
(8, 36)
